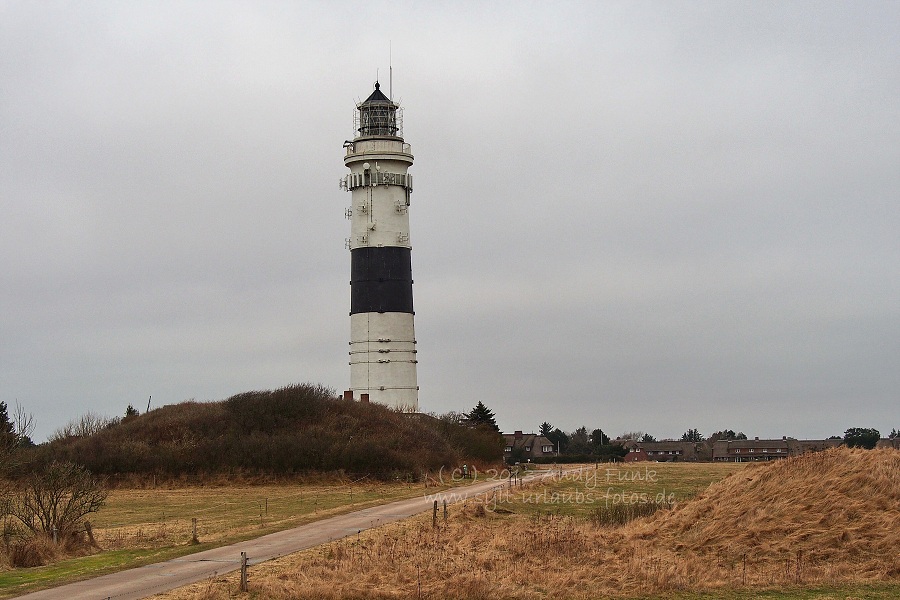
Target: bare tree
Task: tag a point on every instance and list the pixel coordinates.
(85, 426)
(23, 425)
(457, 418)
(56, 497)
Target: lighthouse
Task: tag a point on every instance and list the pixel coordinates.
(382, 335)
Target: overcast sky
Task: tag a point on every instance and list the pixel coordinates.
(636, 216)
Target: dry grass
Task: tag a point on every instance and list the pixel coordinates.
(150, 524)
(163, 517)
(828, 518)
(837, 512)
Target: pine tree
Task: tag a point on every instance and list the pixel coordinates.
(598, 438)
(7, 429)
(6, 426)
(692, 435)
(482, 416)
(546, 429)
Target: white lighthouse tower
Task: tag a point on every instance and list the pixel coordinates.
(382, 336)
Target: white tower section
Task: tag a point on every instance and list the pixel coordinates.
(382, 335)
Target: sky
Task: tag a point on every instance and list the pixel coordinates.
(637, 216)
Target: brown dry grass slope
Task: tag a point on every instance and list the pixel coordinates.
(837, 513)
(829, 518)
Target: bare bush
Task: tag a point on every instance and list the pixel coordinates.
(85, 426)
(55, 498)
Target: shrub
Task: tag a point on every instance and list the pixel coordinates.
(56, 498)
(32, 552)
(293, 429)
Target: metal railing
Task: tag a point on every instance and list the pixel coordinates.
(377, 146)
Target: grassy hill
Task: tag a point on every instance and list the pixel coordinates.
(835, 511)
(818, 526)
(295, 429)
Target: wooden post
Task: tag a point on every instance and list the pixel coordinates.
(55, 535)
(194, 538)
(445, 510)
(244, 562)
(434, 515)
(90, 533)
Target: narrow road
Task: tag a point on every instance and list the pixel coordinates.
(152, 579)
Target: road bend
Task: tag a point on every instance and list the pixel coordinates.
(142, 582)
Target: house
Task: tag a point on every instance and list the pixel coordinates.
(750, 450)
(524, 446)
(889, 442)
(666, 451)
(636, 454)
(764, 450)
(801, 446)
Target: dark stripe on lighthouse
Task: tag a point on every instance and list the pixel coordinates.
(381, 280)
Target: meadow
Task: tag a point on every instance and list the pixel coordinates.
(142, 525)
(823, 526)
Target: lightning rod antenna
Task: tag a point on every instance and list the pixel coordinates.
(390, 71)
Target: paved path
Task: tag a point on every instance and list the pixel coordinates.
(152, 579)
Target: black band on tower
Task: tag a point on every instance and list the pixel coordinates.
(381, 280)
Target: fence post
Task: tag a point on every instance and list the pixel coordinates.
(194, 538)
(55, 535)
(445, 510)
(244, 561)
(90, 533)
(434, 515)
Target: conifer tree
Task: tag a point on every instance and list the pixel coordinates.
(482, 416)
(7, 429)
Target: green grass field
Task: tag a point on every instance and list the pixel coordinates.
(136, 518)
(143, 526)
(599, 487)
